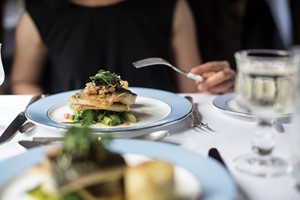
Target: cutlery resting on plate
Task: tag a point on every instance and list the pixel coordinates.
(14, 126)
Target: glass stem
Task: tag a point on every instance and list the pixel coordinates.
(263, 141)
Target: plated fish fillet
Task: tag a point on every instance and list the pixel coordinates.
(118, 101)
(106, 91)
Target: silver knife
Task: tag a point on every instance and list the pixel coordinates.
(215, 154)
(28, 144)
(11, 130)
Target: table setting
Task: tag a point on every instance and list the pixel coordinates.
(230, 137)
(204, 134)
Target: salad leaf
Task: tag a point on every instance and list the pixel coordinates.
(109, 118)
(106, 78)
(88, 118)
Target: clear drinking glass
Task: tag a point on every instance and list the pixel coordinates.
(2, 74)
(295, 125)
(266, 86)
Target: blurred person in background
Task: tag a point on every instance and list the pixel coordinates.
(2, 89)
(1, 19)
(227, 26)
(219, 26)
(60, 44)
(271, 24)
(9, 15)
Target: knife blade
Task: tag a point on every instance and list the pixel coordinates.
(214, 153)
(39, 141)
(12, 128)
(28, 144)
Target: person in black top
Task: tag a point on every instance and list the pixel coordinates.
(227, 26)
(271, 24)
(69, 41)
(219, 26)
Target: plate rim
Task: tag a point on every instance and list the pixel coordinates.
(167, 97)
(221, 102)
(215, 181)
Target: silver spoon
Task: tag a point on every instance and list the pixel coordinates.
(155, 136)
(159, 61)
(279, 127)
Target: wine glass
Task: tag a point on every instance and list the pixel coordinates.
(294, 131)
(2, 74)
(266, 86)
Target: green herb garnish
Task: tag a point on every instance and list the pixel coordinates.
(106, 78)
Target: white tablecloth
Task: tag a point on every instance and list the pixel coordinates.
(232, 138)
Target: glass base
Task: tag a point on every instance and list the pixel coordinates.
(262, 166)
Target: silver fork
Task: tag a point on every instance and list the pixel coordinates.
(196, 116)
(159, 61)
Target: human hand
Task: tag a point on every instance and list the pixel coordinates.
(218, 77)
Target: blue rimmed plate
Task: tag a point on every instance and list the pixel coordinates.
(153, 108)
(213, 178)
(228, 104)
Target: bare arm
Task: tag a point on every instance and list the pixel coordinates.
(219, 77)
(184, 44)
(29, 58)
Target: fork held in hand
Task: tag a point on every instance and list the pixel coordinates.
(159, 61)
(197, 123)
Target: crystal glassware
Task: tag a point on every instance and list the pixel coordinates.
(266, 86)
(294, 133)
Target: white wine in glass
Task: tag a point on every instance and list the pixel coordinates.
(266, 86)
(2, 74)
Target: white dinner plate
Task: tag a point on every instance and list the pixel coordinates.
(195, 174)
(228, 104)
(152, 108)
